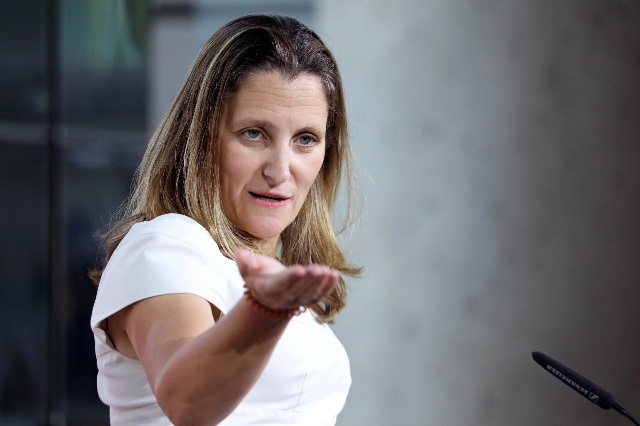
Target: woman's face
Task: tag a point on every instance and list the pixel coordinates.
(272, 146)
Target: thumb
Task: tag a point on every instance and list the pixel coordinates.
(245, 261)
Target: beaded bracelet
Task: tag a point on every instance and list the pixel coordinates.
(277, 313)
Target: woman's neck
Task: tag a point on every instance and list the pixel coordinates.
(267, 247)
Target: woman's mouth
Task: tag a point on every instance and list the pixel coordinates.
(271, 200)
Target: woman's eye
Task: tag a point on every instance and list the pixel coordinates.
(252, 133)
(306, 140)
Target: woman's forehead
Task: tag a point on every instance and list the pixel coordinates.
(270, 96)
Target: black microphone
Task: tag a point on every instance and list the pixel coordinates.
(580, 384)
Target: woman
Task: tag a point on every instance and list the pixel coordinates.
(200, 316)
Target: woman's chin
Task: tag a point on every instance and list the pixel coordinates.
(266, 232)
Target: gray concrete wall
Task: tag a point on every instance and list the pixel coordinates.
(498, 146)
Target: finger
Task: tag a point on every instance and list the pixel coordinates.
(245, 262)
(266, 264)
(317, 284)
(317, 270)
(278, 289)
(327, 285)
(302, 286)
(292, 283)
(293, 287)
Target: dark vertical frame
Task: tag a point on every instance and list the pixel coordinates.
(24, 268)
(56, 270)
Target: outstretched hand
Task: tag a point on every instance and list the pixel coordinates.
(279, 287)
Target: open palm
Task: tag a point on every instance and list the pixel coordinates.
(280, 287)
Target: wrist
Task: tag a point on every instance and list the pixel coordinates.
(274, 313)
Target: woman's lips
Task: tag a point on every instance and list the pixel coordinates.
(269, 200)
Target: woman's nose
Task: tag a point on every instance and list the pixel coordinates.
(277, 169)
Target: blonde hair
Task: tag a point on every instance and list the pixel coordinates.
(179, 172)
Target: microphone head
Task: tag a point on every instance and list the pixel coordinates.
(575, 381)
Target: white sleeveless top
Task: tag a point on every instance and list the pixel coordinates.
(306, 380)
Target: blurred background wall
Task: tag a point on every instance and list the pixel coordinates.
(497, 146)
(499, 150)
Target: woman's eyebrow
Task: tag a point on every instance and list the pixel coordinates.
(250, 122)
(269, 126)
(312, 129)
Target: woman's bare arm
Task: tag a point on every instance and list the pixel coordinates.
(200, 372)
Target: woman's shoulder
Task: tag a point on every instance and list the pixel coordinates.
(170, 241)
(173, 225)
(169, 254)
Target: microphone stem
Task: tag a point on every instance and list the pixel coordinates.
(624, 412)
